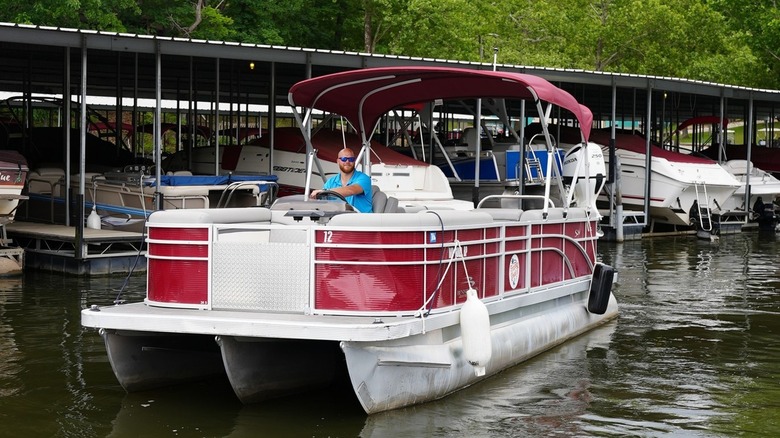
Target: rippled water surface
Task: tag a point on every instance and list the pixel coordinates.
(694, 352)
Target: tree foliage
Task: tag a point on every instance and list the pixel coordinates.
(726, 41)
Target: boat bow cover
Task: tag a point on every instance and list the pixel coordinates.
(364, 95)
(702, 120)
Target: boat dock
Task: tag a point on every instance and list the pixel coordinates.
(56, 248)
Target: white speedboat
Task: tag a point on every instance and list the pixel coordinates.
(764, 192)
(678, 182)
(763, 187)
(412, 305)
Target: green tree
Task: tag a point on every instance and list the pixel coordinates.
(448, 29)
(199, 19)
(82, 14)
(333, 24)
(757, 26)
(727, 41)
(680, 38)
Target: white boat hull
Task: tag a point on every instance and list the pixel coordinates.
(674, 187)
(385, 373)
(10, 195)
(13, 175)
(393, 374)
(762, 184)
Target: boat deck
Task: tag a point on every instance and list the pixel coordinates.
(130, 317)
(55, 248)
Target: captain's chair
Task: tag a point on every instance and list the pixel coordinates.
(378, 200)
(381, 203)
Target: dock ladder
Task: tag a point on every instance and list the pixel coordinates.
(704, 213)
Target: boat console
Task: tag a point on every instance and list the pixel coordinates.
(317, 210)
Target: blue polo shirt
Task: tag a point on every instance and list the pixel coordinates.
(361, 202)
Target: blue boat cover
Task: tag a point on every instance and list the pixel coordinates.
(206, 180)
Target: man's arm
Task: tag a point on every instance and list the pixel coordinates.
(350, 190)
(355, 188)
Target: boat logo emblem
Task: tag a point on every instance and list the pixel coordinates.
(432, 237)
(514, 271)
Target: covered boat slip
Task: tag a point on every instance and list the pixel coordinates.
(216, 80)
(124, 199)
(280, 296)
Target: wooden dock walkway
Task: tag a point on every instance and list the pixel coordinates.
(55, 248)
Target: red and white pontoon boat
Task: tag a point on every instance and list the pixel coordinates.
(412, 305)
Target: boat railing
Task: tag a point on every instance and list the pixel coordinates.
(516, 199)
(229, 191)
(45, 185)
(258, 259)
(138, 199)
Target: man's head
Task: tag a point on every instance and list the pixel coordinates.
(346, 160)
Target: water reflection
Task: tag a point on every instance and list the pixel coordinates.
(10, 355)
(702, 314)
(211, 409)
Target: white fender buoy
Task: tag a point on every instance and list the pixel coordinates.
(93, 220)
(475, 332)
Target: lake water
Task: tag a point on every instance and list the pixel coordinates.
(694, 352)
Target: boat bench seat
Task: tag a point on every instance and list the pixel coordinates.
(211, 215)
(46, 181)
(173, 191)
(427, 218)
(503, 214)
(381, 203)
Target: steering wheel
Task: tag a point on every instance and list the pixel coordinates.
(327, 193)
(339, 196)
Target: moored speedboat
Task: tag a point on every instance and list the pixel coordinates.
(412, 305)
(763, 187)
(679, 182)
(764, 157)
(13, 174)
(764, 192)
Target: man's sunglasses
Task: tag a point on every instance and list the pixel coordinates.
(347, 159)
